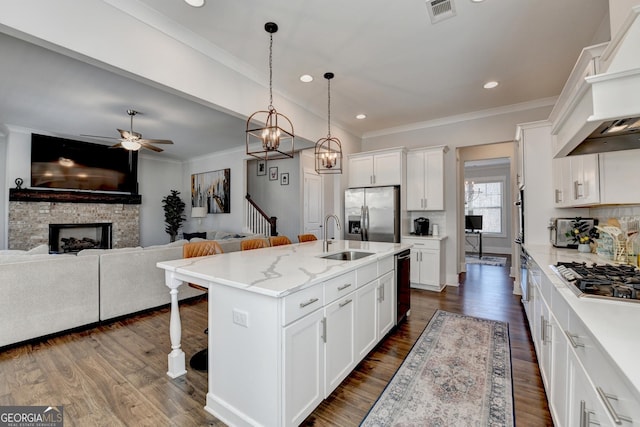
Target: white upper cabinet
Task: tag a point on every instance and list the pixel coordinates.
(425, 179)
(576, 181)
(376, 168)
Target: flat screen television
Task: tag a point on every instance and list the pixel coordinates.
(473, 222)
(65, 164)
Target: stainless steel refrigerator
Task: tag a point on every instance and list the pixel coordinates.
(372, 213)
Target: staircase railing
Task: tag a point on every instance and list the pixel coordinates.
(258, 221)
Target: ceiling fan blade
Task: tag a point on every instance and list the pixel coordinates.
(156, 141)
(98, 136)
(151, 147)
(118, 145)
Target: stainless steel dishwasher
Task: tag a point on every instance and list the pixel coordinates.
(403, 274)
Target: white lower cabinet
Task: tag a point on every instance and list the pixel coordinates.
(582, 387)
(303, 367)
(339, 338)
(427, 263)
(366, 323)
(386, 318)
(321, 348)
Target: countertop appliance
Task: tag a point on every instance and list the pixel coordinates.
(559, 227)
(421, 226)
(601, 280)
(403, 284)
(372, 214)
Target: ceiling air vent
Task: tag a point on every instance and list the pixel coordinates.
(440, 10)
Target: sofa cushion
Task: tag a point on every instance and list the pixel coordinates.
(39, 250)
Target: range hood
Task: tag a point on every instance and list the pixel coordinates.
(613, 135)
(599, 107)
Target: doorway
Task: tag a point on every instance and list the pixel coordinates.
(486, 190)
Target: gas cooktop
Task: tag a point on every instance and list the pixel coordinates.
(601, 280)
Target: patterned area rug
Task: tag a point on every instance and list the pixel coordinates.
(487, 260)
(458, 373)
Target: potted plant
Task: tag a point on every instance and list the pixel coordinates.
(580, 234)
(173, 213)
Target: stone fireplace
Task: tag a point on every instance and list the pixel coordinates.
(66, 238)
(31, 212)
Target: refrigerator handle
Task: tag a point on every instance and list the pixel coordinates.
(366, 229)
(362, 223)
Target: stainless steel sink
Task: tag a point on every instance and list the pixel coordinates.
(347, 255)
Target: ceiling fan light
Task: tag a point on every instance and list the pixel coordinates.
(195, 3)
(131, 145)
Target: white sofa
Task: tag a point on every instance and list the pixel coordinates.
(44, 294)
(131, 282)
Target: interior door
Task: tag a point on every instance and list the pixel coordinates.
(312, 204)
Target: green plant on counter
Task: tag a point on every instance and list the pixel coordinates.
(580, 232)
(173, 213)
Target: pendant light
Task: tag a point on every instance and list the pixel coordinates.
(269, 134)
(328, 150)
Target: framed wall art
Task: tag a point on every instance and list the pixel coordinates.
(262, 167)
(273, 173)
(212, 190)
(284, 178)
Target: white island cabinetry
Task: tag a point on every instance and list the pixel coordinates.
(287, 330)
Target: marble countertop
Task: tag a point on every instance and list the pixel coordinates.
(613, 323)
(280, 270)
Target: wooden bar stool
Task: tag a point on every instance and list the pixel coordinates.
(200, 360)
(279, 240)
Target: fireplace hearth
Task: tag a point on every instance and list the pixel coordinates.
(72, 238)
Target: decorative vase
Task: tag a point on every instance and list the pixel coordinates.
(584, 248)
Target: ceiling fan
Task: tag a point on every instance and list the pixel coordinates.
(133, 141)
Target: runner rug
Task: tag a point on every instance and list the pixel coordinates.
(487, 260)
(458, 373)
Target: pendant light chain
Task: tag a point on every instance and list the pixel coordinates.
(329, 108)
(271, 71)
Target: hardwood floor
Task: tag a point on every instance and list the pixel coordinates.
(115, 374)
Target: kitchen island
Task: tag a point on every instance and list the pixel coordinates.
(286, 324)
(587, 348)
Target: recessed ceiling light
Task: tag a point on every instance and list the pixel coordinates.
(490, 85)
(361, 116)
(195, 3)
(306, 78)
(477, 1)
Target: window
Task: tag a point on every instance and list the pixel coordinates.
(486, 198)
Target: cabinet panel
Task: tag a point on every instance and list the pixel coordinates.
(425, 179)
(616, 182)
(360, 171)
(366, 315)
(386, 304)
(303, 367)
(376, 168)
(340, 337)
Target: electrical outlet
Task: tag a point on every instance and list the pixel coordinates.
(241, 317)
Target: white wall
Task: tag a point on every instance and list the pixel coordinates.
(236, 161)
(282, 201)
(156, 179)
(485, 130)
(4, 193)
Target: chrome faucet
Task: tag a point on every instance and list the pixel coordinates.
(325, 246)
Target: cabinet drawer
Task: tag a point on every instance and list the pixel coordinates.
(423, 243)
(385, 265)
(339, 286)
(614, 391)
(302, 303)
(366, 273)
